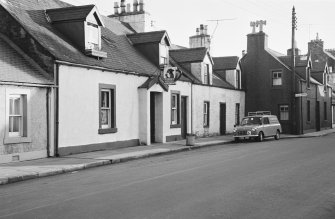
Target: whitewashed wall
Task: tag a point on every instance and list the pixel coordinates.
(79, 106)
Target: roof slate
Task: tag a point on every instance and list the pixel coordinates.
(121, 55)
(189, 55)
(69, 13)
(147, 37)
(225, 63)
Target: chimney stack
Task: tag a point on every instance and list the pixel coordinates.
(123, 7)
(116, 8)
(128, 8)
(135, 6)
(141, 4)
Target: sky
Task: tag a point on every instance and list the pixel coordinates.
(180, 18)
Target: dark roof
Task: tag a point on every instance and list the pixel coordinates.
(147, 37)
(69, 13)
(225, 63)
(121, 55)
(189, 55)
(300, 61)
(217, 81)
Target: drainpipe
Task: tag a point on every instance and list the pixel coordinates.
(48, 121)
(192, 107)
(56, 130)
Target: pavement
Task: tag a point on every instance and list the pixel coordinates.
(25, 170)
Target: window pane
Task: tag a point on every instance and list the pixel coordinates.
(105, 99)
(11, 106)
(174, 101)
(14, 124)
(105, 117)
(17, 106)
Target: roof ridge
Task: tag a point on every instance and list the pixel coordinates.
(197, 48)
(70, 8)
(143, 33)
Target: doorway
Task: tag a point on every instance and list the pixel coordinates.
(317, 116)
(222, 118)
(152, 117)
(183, 116)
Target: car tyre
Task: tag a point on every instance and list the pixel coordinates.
(260, 137)
(236, 139)
(277, 136)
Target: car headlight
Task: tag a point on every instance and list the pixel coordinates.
(253, 130)
(234, 130)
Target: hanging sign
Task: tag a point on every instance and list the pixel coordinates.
(171, 75)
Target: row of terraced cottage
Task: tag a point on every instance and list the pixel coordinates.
(73, 81)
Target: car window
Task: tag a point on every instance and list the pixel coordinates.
(251, 121)
(266, 121)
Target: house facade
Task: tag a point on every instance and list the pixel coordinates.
(301, 102)
(100, 84)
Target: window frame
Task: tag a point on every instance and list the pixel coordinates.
(23, 136)
(206, 74)
(276, 72)
(89, 36)
(111, 128)
(286, 111)
(163, 54)
(206, 114)
(176, 109)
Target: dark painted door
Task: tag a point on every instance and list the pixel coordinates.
(317, 116)
(183, 117)
(222, 118)
(152, 117)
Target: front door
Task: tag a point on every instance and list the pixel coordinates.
(222, 118)
(183, 117)
(152, 117)
(317, 116)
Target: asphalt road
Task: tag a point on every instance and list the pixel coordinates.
(292, 178)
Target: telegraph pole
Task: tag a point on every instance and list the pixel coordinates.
(293, 114)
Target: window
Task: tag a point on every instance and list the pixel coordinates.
(107, 111)
(266, 121)
(277, 78)
(308, 110)
(237, 114)
(175, 109)
(325, 110)
(308, 77)
(206, 114)
(284, 113)
(93, 36)
(238, 78)
(163, 54)
(206, 74)
(17, 117)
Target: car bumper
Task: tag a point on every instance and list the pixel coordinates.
(245, 136)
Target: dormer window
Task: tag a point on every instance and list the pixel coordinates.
(163, 54)
(81, 25)
(93, 36)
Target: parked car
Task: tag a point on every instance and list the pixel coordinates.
(258, 127)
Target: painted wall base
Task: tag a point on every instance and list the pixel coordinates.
(23, 156)
(97, 147)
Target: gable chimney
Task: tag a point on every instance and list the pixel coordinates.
(257, 40)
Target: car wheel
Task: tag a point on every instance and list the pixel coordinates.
(260, 137)
(236, 139)
(277, 136)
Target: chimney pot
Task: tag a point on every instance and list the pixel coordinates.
(116, 8)
(141, 4)
(197, 30)
(135, 6)
(123, 6)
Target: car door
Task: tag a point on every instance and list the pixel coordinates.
(266, 126)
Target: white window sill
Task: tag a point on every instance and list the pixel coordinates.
(16, 140)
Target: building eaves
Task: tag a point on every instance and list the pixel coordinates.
(147, 37)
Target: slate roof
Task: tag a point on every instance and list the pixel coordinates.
(121, 55)
(300, 61)
(69, 13)
(225, 63)
(147, 37)
(189, 55)
(217, 81)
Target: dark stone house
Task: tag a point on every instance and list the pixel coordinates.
(302, 103)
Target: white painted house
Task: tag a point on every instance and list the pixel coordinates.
(113, 87)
